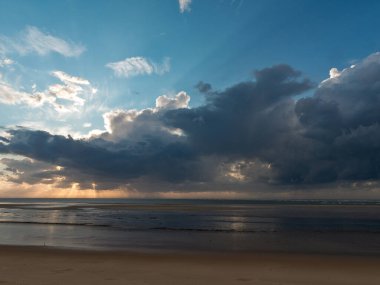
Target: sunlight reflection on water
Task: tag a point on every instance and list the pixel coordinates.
(230, 226)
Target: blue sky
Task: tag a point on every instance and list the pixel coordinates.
(219, 42)
(94, 57)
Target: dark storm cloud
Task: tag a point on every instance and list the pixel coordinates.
(110, 163)
(2, 139)
(252, 131)
(246, 118)
(341, 122)
(203, 87)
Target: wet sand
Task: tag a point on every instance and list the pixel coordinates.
(44, 265)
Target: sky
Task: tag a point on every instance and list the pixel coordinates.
(190, 99)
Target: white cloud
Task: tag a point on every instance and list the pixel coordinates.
(72, 88)
(67, 92)
(136, 125)
(32, 40)
(69, 79)
(335, 74)
(11, 96)
(184, 5)
(6, 62)
(134, 66)
(63, 98)
(179, 101)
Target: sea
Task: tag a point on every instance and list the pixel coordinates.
(305, 226)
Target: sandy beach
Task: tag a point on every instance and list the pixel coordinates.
(44, 265)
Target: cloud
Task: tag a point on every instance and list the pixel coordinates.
(63, 98)
(335, 73)
(203, 87)
(135, 144)
(72, 88)
(254, 134)
(179, 101)
(21, 170)
(5, 62)
(134, 66)
(32, 40)
(144, 125)
(11, 96)
(184, 5)
(171, 143)
(69, 79)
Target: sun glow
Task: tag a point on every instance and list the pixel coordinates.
(7, 190)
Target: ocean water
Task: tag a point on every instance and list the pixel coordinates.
(336, 226)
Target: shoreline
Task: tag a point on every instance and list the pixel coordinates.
(113, 239)
(52, 265)
(182, 252)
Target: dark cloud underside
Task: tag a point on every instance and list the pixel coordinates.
(254, 131)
